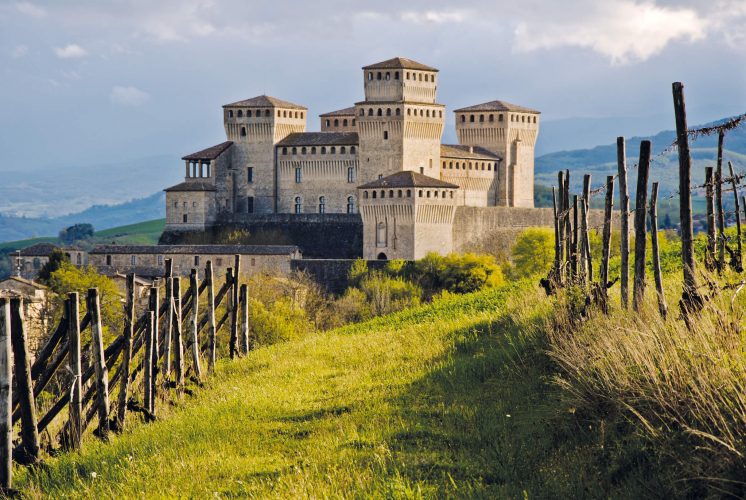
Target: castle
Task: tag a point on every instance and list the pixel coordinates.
(380, 160)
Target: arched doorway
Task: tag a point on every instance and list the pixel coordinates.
(382, 256)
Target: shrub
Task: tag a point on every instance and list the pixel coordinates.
(533, 252)
(387, 294)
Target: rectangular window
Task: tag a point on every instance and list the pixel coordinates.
(196, 260)
(108, 260)
(250, 174)
(385, 135)
(297, 175)
(133, 260)
(250, 204)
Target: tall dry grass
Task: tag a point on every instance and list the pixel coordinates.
(685, 389)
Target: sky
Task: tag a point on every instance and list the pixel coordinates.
(105, 81)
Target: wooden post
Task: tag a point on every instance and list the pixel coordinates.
(734, 185)
(230, 307)
(568, 228)
(169, 327)
(557, 241)
(147, 363)
(574, 246)
(244, 300)
(209, 276)
(99, 362)
(153, 306)
(194, 288)
(6, 398)
(586, 237)
(605, 252)
(234, 304)
(710, 258)
(178, 341)
(561, 224)
(129, 322)
(621, 160)
(690, 299)
(718, 197)
(656, 254)
(75, 425)
(24, 384)
(643, 171)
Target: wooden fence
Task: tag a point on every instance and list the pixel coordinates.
(572, 257)
(165, 343)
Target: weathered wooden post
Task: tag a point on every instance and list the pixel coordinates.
(209, 276)
(656, 253)
(129, 325)
(178, 341)
(643, 171)
(568, 228)
(605, 252)
(99, 362)
(169, 326)
(230, 308)
(234, 305)
(710, 258)
(24, 384)
(574, 246)
(734, 185)
(621, 159)
(244, 299)
(147, 363)
(194, 290)
(586, 237)
(75, 425)
(557, 241)
(6, 398)
(153, 306)
(718, 195)
(690, 300)
(561, 224)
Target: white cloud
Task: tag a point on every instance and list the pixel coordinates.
(435, 16)
(128, 96)
(19, 51)
(70, 51)
(622, 30)
(30, 9)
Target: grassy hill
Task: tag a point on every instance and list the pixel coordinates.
(453, 399)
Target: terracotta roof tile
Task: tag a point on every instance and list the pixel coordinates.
(192, 186)
(341, 112)
(264, 101)
(196, 249)
(407, 178)
(320, 139)
(461, 151)
(210, 153)
(400, 63)
(498, 106)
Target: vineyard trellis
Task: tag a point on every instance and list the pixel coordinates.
(140, 348)
(566, 270)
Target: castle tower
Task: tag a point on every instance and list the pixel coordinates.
(510, 132)
(255, 125)
(406, 215)
(399, 123)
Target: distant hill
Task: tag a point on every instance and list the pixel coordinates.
(101, 216)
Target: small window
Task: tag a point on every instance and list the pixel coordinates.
(248, 113)
(243, 131)
(266, 112)
(380, 112)
(253, 261)
(350, 174)
(108, 260)
(409, 193)
(219, 261)
(133, 260)
(399, 193)
(383, 193)
(323, 150)
(250, 174)
(388, 111)
(328, 122)
(391, 193)
(471, 118)
(322, 204)
(370, 75)
(388, 75)
(419, 193)
(370, 112)
(428, 194)
(378, 75)
(303, 150)
(481, 118)
(176, 204)
(374, 195)
(333, 150)
(250, 204)
(342, 150)
(298, 205)
(352, 150)
(398, 112)
(240, 113)
(344, 122)
(196, 260)
(230, 113)
(284, 151)
(463, 118)
(185, 218)
(385, 135)
(350, 204)
(194, 204)
(295, 151)
(336, 122)
(313, 150)
(298, 175)
(365, 194)
(492, 118)
(362, 112)
(396, 75)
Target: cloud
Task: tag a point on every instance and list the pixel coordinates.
(128, 96)
(435, 16)
(70, 51)
(31, 10)
(622, 30)
(18, 51)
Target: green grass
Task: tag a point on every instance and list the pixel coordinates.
(142, 233)
(453, 399)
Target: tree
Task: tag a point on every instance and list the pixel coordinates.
(56, 260)
(76, 232)
(533, 252)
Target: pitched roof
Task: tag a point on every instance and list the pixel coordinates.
(498, 106)
(320, 139)
(400, 62)
(341, 112)
(264, 101)
(407, 178)
(196, 249)
(192, 186)
(461, 151)
(39, 250)
(210, 153)
(24, 281)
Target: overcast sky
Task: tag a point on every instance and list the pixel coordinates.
(96, 80)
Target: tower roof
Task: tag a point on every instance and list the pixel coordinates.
(498, 106)
(407, 178)
(400, 63)
(264, 101)
(341, 112)
(462, 151)
(320, 139)
(210, 153)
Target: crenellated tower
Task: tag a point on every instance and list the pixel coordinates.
(399, 123)
(510, 132)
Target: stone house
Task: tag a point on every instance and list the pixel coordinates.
(28, 261)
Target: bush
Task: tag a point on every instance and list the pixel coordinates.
(533, 252)
(457, 273)
(387, 294)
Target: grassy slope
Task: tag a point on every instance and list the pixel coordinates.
(449, 400)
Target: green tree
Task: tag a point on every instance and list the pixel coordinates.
(533, 252)
(56, 260)
(76, 232)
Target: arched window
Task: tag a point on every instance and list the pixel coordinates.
(328, 122)
(322, 204)
(435, 193)
(399, 193)
(285, 114)
(336, 122)
(388, 75)
(230, 113)
(323, 150)
(492, 118)
(240, 113)
(374, 195)
(370, 75)
(342, 150)
(383, 193)
(396, 75)
(407, 75)
(420, 76)
(284, 151)
(365, 194)
(428, 194)
(391, 193)
(378, 75)
(303, 150)
(419, 194)
(409, 112)
(385, 134)
(295, 151)
(463, 118)
(380, 112)
(350, 174)
(279, 113)
(298, 205)
(388, 111)
(298, 175)
(427, 113)
(481, 118)
(266, 113)
(398, 112)
(313, 150)
(362, 112)
(534, 119)
(450, 165)
(471, 118)
(370, 112)
(243, 131)
(440, 114)
(350, 204)
(409, 193)
(523, 118)
(500, 117)
(422, 113)
(344, 122)
(248, 113)
(352, 150)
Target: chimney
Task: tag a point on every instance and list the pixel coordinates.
(471, 149)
